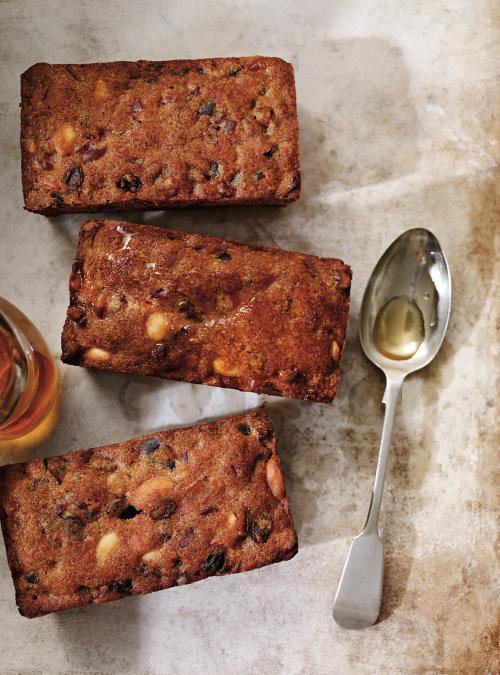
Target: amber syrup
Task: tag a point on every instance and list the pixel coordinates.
(399, 328)
(28, 384)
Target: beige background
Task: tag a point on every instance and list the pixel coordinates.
(399, 128)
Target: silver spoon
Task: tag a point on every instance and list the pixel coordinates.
(404, 316)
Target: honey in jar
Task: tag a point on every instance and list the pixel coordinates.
(28, 385)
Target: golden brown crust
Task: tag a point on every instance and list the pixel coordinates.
(153, 301)
(161, 510)
(156, 134)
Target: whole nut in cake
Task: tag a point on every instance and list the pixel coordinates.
(274, 478)
(151, 492)
(64, 140)
(151, 556)
(223, 368)
(335, 351)
(97, 354)
(158, 326)
(107, 544)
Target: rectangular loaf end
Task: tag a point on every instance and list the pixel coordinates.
(158, 134)
(162, 510)
(151, 301)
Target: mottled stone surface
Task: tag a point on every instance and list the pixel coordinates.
(399, 128)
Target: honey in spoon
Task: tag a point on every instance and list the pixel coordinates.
(399, 328)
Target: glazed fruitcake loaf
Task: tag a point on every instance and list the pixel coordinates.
(157, 134)
(150, 513)
(151, 301)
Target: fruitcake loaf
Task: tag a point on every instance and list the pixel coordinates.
(157, 134)
(152, 301)
(161, 510)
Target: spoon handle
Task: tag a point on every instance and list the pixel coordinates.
(391, 399)
(359, 594)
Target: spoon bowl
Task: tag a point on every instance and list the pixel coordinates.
(414, 266)
(404, 316)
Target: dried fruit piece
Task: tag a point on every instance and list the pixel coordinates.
(189, 310)
(32, 577)
(93, 152)
(298, 378)
(208, 510)
(223, 255)
(57, 467)
(258, 175)
(271, 151)
(343, 280)
(83, 590)
(73, 525)
(245, 429)
(124, 586)
(207, 108)
(163, 510)
(64, 140)
(259, 529)
(274, 478)
(160, 351)
(74, 177)
(115, 507)
(75, 279)
(106, 546)
(186, 538)
(194, 90)
(215, 562)
(77, 314)
(129, 183)
(47, 161)
(215, 170)
(150, 446)
(294, 182)
(137, 107)
(230, 126)
(92, 514)
(101, 306)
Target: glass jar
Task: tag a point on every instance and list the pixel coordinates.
(28, 385)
